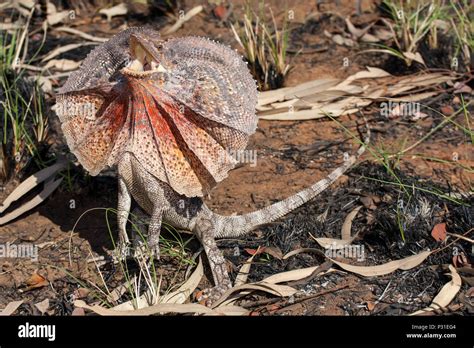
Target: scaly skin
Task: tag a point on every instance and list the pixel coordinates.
(167, 113)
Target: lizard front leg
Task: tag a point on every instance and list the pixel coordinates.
(123, 211)
(205, 232)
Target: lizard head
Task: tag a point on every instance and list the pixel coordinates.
(145, 57)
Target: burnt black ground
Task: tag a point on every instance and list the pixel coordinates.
(378, 231)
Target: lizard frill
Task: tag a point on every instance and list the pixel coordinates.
(181, 116)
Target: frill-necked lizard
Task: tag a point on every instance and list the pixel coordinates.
(168, 114)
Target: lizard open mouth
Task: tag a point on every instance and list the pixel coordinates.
(144, 60)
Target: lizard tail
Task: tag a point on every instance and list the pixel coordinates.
(235, 226)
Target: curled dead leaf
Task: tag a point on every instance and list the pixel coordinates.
(370, 306)
(347, 225)
(36, 281)
(460, 260)
(274, 289)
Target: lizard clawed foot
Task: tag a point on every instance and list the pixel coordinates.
(210, 296)
(142, 250)
(122, 251)
(154, 248)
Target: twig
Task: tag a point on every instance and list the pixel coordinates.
(303, 299)
(454, 241)
(461, 237)
(260, 303)
(179, 23)
(81, 34)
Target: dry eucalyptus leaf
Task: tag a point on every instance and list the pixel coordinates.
(49, 187)
(446, 295)
(274, 289)
(244, 271)
(333, 243)
(386, 268)
(318, 98)
(43, 306)
(295, 116)
(11, 308)
(347, 225)
(188, 287)
(31, 182)
(370, 73)
(293, 275)
(164, 308)
(62, 64)
(275, 252)
(414, 56)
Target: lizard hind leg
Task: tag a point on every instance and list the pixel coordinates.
(154, 230)
(205, 231)
(146, 244)
(140, 222)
